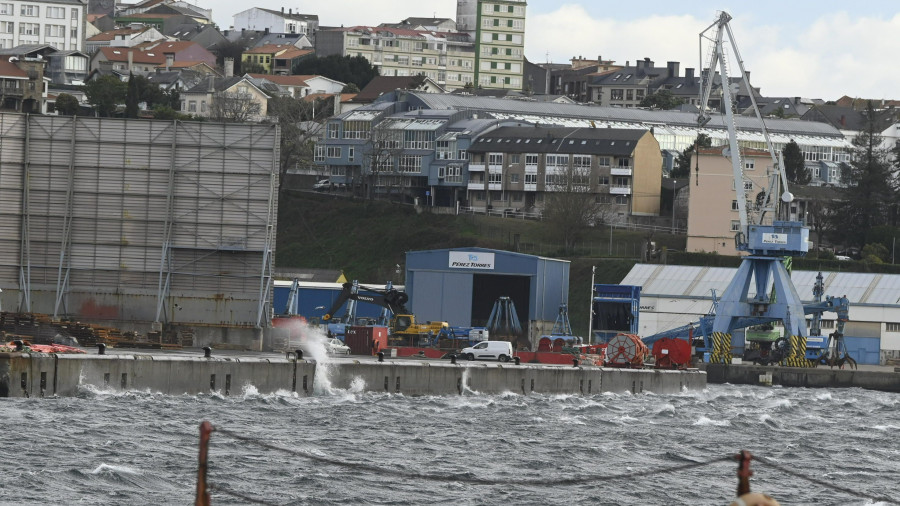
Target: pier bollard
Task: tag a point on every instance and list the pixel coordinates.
(574, 362)
(518, 360)
(452, 359)
(299, 354)
(207, 352)
(381, 356)
(19, 345)
(101, 349)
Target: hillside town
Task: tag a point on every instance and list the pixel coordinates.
(450, 114)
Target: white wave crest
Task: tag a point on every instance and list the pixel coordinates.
(709, 421)
(114, 469)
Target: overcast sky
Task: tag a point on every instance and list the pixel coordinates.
(823, 49)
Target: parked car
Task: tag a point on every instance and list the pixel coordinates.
(336, 347)
(322, 185)
(489, 350)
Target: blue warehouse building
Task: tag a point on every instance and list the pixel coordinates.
(460, 286)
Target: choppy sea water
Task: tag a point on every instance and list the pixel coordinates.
(103, 447)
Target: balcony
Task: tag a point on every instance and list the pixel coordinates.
(476, 167)
(495, 186)
(531, 187)
(477, 185)
(621, 171)
(620, 190)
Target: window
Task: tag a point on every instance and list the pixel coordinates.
(749, 164)
(621, 181)
(583, 161)
(734, 205)
(557, 160)
(452, 173)
(29, 29)
(410, 163)
(356, 129)
(735, 225)
(31, 11)
(514, 158)
(462, 155)
(617, 94)
(603, 161)
(192, 106)
(351, 154)
(530, 178)
(892, 327)
(495, 159)
(58, 31)
(531, 159)
(604, 180)
(333, 152)
(319, 155)
(622, 199)
(56, 12)
(514, 178)
(6, 9)
(629, 94)
(495, 178)
(203, 106)
(7, 27)
(333, 130)
(75, 14)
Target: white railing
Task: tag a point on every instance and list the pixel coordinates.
(476, 186)
(476, 167)
(620, 190)
(621, 171)
(531, 187)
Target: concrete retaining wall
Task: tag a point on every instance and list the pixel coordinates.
(412, 378)
(798, 377)
(39, 375)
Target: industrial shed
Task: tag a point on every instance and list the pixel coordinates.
(675, 295)
(460, 286)
(139, 224)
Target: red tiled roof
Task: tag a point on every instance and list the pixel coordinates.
(9, 70)
(295, 53)
(111, 34)
(148, 52)
(94, 17)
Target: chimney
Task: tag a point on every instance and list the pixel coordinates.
(291, 12)
(170, 60)
(130, 60)
(282, 11)
(267, 30)
(229, 67)
(212, 84)
(674, 68)
(797, 100)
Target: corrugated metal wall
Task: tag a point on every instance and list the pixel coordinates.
(136, 218)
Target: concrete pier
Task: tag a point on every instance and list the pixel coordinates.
(43, 375)
(874, 378)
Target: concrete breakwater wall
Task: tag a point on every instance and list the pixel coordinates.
(442, 378)
(823, 377)
(44, 375)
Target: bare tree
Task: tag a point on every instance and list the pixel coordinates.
(384, 147)
(298, 132)
(234, 107)
(570, 205)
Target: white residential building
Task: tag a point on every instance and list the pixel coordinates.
(261, 20)
(498, 29)
(59, 23)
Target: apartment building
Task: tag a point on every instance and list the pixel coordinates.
(271, 21)
(447, 58)
(498, 29)
(712, 204)
(59, 23)
(519, 167)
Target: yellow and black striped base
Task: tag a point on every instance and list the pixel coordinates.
(721, 352)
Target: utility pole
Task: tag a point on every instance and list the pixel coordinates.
(590, 336)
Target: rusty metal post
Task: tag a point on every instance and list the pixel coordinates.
(202, 498)
(744, 472)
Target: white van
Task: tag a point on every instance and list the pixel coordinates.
(489, 350)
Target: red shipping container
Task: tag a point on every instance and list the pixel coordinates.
(366, 340)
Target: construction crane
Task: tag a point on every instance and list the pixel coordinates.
(766, 239)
